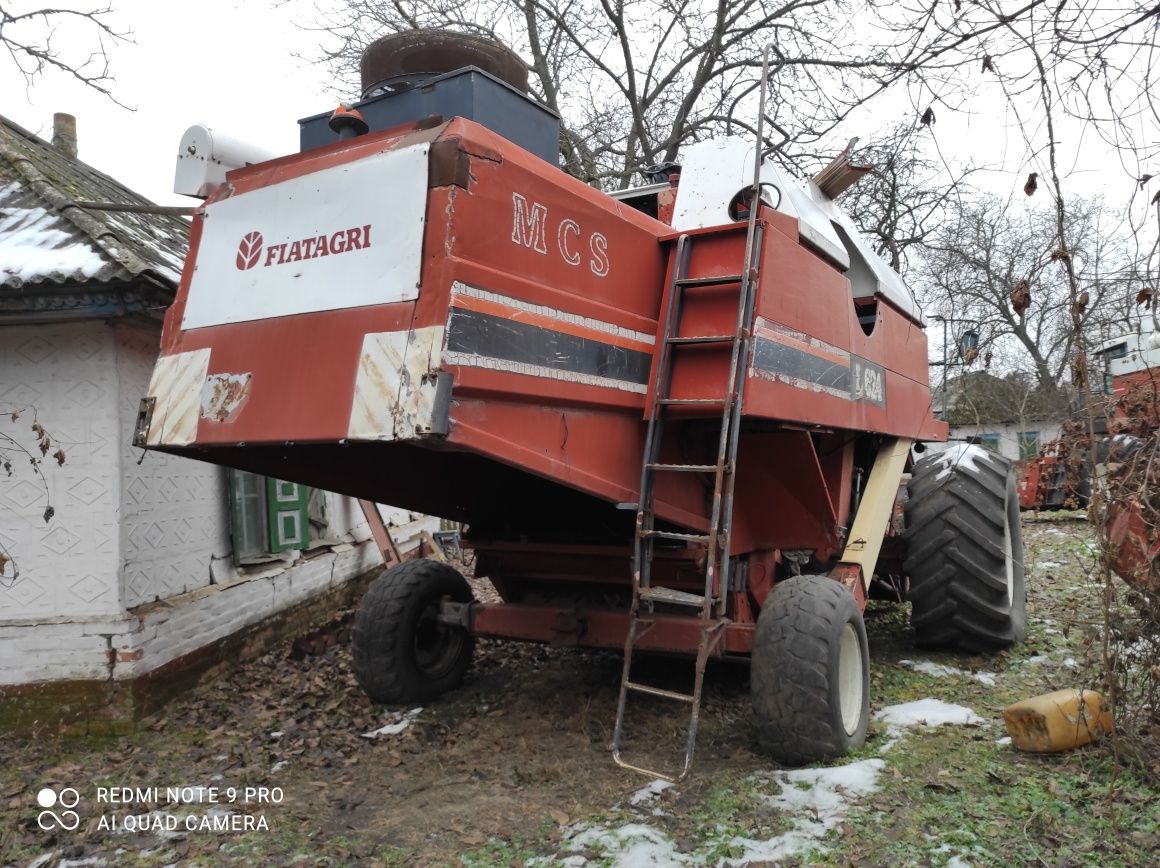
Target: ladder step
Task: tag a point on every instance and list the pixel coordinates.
(669, 534)
(722, 280)
(692, 402)
(686, 468)
(658, 691)
(703, 339)
(671, 595)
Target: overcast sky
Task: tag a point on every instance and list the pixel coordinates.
(228, 64)
(235, 66)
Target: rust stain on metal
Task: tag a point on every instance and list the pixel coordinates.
(223, 394)
(448, 165)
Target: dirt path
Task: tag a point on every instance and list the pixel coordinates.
(514, 768)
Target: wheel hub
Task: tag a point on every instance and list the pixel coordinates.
(850, 681)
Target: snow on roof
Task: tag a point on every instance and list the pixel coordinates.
(46, 238)
(36, 245)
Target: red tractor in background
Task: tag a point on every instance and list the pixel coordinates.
(674, 419)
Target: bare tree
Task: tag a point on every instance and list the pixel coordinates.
(634, 81)
(32, 38)
(991, 250)
(901, 204)
(19, 453)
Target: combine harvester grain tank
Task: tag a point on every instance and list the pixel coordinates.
(674, 419)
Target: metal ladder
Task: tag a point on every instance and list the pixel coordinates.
(709, 605)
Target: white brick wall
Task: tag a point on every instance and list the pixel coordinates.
(173, 510)
(127, 534)
(219, 611)
(1008, 434)
(70, 566)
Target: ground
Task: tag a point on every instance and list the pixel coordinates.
(514, 768)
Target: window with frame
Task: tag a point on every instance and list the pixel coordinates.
(989, 441)
(269, 516)
(1028, 444)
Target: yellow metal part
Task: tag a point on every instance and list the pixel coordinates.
(876, 507)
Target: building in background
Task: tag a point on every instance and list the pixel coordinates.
(1008, 415)
(152, 564)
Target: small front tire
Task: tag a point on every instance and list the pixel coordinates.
(810, 673)
(401, 652)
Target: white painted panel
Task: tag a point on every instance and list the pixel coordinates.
(373, 209)
(715, 171)
(891, 286)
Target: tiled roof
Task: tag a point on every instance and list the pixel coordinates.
(48, 243)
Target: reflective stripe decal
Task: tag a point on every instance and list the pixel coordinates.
(804, 362)
(486, 330)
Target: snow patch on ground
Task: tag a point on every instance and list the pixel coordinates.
(819, 799)
(647, 795)
(923, 712)
(954, 860)
(939, 670)
(632, 845)
(402, 721)
(816, 800)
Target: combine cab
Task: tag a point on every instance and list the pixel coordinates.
(674, 420)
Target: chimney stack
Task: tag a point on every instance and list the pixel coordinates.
(64, 133)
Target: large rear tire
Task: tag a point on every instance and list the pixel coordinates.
(965, 552)
(401, 652)
(810, 672)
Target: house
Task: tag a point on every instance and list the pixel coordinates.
(147, 566)
(1009, 415)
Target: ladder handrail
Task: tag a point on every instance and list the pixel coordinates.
(720, 536)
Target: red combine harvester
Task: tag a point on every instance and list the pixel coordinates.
(675, 419)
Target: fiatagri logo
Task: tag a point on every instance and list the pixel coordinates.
(250, 249)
